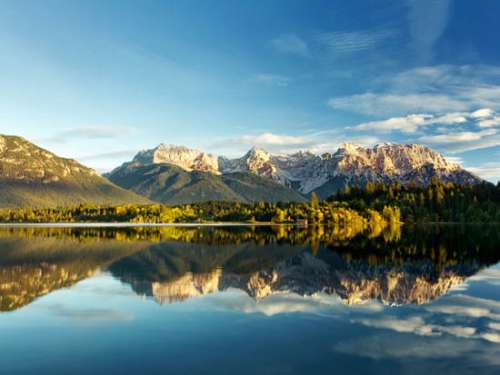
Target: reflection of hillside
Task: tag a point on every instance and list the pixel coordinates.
(32, 268)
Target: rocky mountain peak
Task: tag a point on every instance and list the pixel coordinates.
(22, 160)
(181, 156)
(351, 164)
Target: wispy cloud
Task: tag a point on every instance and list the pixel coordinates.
(272, 79)
(428, 89)
(488, 171)
(290, 44)
(89, 132)
(387, 104)
(490, 123)
(460, 137)
(428, 20)
(451, 132)
(346, 43)
(413, 122)
(108, 155)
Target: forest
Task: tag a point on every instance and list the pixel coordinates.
(372, 206)
(313, 212)
(438, 202)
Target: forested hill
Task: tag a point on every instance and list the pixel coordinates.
(438, 202)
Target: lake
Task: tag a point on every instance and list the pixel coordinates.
(246, 300)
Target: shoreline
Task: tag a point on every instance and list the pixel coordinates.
(132, 225)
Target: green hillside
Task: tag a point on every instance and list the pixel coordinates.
(33, 177)
(170, 184)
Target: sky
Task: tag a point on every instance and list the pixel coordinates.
(100, 80)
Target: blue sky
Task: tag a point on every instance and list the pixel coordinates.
(99, 81)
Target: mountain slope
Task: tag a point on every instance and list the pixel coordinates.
(171, 184)
(33, 177)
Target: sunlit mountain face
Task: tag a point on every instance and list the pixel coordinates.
(174, 264)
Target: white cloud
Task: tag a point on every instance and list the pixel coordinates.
(450, 119)
(489, 123)
(411, 123)
(290, 44)
(459, 137)
(272, 79)
(271, 139)
(428, 89)
(494, 326)
(482, 113)
(488, 171)
(408, 124)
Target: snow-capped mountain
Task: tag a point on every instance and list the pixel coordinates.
(306, 172)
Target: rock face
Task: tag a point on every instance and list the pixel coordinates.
(186, 158)
(324, 174)
(31, 176)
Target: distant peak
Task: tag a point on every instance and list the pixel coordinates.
(258, 151)
(350, 146)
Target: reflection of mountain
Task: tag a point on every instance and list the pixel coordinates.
(32, 268)
(173, 264)
(401, 273)
(305, 274)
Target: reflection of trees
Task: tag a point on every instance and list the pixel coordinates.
(34, 266)
(312, 235)
(36, 261)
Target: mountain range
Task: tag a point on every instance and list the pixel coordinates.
(171, 173)
(33, 177)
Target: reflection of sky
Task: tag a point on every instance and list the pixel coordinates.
(102, 323)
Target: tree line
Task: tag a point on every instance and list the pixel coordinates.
(437, 202)
(313, 212)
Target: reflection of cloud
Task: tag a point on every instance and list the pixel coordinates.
(412, 325)
(408, 348)
(318, 304)
(489, 275)
(89, 314)
(461, 305)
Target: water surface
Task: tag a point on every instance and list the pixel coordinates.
(249, 300)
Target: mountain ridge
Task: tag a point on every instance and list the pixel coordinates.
(32, 176)
(324, 174)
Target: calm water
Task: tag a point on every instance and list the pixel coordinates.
(249, 300)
